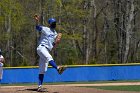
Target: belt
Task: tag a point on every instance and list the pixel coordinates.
(45, 47)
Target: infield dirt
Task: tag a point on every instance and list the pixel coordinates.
(65, 88)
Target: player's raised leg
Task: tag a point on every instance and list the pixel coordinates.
(60, 69)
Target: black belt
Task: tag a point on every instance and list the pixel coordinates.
(45, 47)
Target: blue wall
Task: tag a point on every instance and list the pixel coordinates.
(78, 73)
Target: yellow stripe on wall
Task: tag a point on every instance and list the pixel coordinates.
(129, 64)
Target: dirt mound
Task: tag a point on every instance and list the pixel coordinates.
(55, 89)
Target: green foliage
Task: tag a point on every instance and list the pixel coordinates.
(72, 37)
(93, 61)
(82, 31)
(59, 2)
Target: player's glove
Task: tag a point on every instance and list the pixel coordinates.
(57, 40)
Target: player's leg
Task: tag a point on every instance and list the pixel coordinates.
(49, 58)
(53, 64)
(43, 65)
(43, 52)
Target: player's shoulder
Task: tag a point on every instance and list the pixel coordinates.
(45, 28)
(1, 56)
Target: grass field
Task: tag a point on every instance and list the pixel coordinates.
(119, 88)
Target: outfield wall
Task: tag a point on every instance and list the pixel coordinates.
(74, 74)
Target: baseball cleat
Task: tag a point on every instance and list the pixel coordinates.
(61, 69)
(40, 89)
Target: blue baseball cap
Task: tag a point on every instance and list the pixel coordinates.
(51, 20)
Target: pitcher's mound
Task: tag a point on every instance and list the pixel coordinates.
(55, 89)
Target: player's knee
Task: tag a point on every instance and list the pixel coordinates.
(42, 72)
(38, 50)
(49, 59)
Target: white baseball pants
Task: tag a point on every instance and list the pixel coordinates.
(44, 59)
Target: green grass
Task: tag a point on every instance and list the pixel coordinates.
(119, 88)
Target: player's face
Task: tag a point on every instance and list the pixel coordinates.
(53, 25)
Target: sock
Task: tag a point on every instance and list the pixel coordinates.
(41, 77)
(53, 64)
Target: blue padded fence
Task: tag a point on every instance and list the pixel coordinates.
(73, 74)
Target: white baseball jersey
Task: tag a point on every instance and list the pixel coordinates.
(47, 37)
(1, 59)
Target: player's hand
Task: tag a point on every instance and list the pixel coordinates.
(36, 17)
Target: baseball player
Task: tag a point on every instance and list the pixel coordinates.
(1, 65)
(48, 40)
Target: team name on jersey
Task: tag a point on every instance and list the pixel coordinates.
(51, 36)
